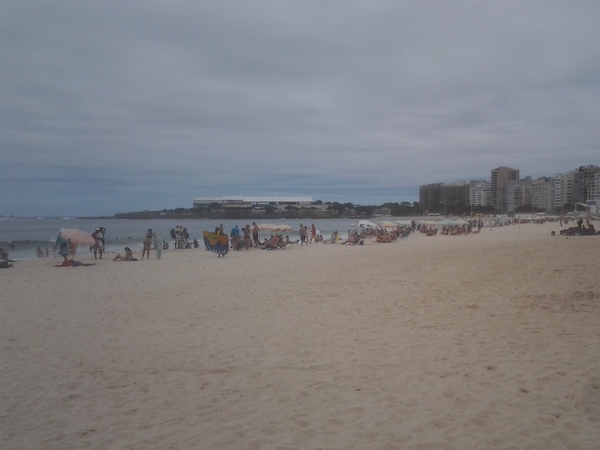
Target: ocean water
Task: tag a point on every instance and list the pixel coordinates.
(22, 236)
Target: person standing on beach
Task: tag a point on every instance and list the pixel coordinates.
(62, 245)
(99, 245)
(313, 234)
(302, 230)
(255, 231)
(234, 237)
(147, 243)
(247, 241)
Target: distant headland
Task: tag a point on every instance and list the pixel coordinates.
(331, 211)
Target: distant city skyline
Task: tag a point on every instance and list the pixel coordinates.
(507, 191)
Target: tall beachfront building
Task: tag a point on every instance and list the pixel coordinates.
(542, 193)
(563, 190)
(480, 193)
(500, 177)
(583, 183)
(429, 196)
(596, 187)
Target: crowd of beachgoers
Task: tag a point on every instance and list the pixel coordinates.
(249, 236)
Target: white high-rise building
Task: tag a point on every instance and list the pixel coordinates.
(517, 193)
(480, 193)
(542, 193)
(596, 188)
(563, 189)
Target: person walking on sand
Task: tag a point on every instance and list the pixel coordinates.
(147, 243)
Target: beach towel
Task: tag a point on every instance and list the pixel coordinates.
(71, 263)
(218, 244)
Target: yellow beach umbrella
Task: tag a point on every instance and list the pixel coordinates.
(387, 224)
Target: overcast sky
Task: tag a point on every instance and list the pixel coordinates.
(114, 106)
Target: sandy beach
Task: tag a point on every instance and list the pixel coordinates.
(447, 342)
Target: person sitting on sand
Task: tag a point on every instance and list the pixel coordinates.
(128, 256)
(4, 254)
(281, 243)
(287, 240)
(353, 238)
(271, 244)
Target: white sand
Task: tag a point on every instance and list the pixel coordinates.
(445, 342)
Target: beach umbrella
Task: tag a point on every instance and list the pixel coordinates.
(78, 237)
(266, 226)
(387, 224)
(403, 223)
(461, 222)
(283, 228)
(367, 224)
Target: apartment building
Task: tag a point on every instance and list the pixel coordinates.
(583, 183)
(563, 189)
(455, 194)
(517, 193)
(480, 193)
(542, 193)
(429, 196)
(499, 178)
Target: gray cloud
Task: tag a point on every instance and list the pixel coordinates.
(117, 106)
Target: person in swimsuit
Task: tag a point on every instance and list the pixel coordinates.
(128, 256)
(313, 234)
(147, 243)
